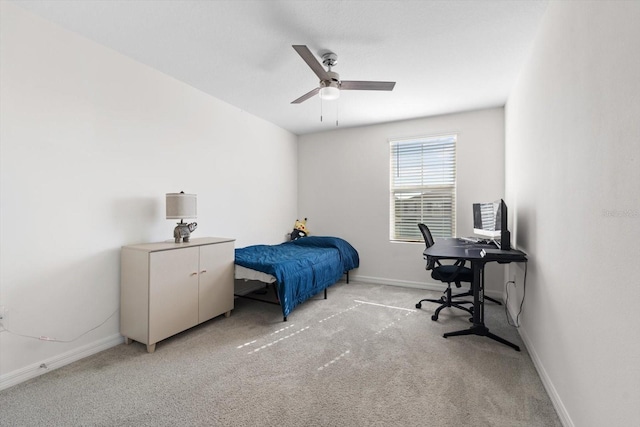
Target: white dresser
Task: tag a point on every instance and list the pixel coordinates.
(166, 288)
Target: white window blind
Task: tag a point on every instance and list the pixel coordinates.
(423, 187)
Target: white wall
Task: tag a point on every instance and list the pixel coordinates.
(343, 179)
(573, 183)
(90, 143)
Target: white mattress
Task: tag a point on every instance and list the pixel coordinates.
(249, 274)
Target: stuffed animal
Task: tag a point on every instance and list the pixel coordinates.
(299, 229)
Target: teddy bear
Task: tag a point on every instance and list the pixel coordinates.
(299, 229)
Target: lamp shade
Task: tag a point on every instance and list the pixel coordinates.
(181, 205)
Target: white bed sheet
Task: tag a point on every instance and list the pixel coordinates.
(249, 274)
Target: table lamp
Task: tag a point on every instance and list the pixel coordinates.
(181, 206)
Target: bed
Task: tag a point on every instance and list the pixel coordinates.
(298, 269)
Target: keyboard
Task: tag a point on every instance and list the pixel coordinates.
(478, 240)
(471, 239)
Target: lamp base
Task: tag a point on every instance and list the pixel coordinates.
(183, 231)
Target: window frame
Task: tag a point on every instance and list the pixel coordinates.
(441, 184)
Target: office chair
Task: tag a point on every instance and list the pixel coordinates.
(453, 273)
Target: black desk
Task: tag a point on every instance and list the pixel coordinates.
(478, 254)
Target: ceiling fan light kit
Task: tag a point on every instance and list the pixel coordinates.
(329, 93)
(330, 83)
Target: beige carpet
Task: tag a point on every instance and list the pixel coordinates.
(363, 357)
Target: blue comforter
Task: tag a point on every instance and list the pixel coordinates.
(302, 267)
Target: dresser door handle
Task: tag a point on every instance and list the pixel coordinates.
(194, 273)
(203, 271)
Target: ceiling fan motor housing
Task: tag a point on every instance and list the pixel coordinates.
(334, 80)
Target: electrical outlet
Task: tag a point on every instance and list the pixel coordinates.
(3, 317)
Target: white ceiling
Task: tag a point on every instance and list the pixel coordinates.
(446, 56)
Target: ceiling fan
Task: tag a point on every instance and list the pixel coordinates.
(330, 83)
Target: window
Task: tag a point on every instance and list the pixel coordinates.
(423, 187)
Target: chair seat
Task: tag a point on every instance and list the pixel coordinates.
(443, 273)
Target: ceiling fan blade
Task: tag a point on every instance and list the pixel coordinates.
(365, 85)
(306, 96)
(311, 61)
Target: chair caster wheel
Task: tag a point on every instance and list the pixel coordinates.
(434, 317)
(418, 305)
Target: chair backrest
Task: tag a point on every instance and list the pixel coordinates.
(428, 238)
(449, 276)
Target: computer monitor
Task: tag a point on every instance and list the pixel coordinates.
(490, 220)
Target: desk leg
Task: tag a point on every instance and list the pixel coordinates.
(483, 331)
(478, 293)
(478, 327)
(481, 292)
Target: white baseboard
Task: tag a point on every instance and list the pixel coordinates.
(37, 369)
(417, 285)
(565, 419)
(394, 282)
